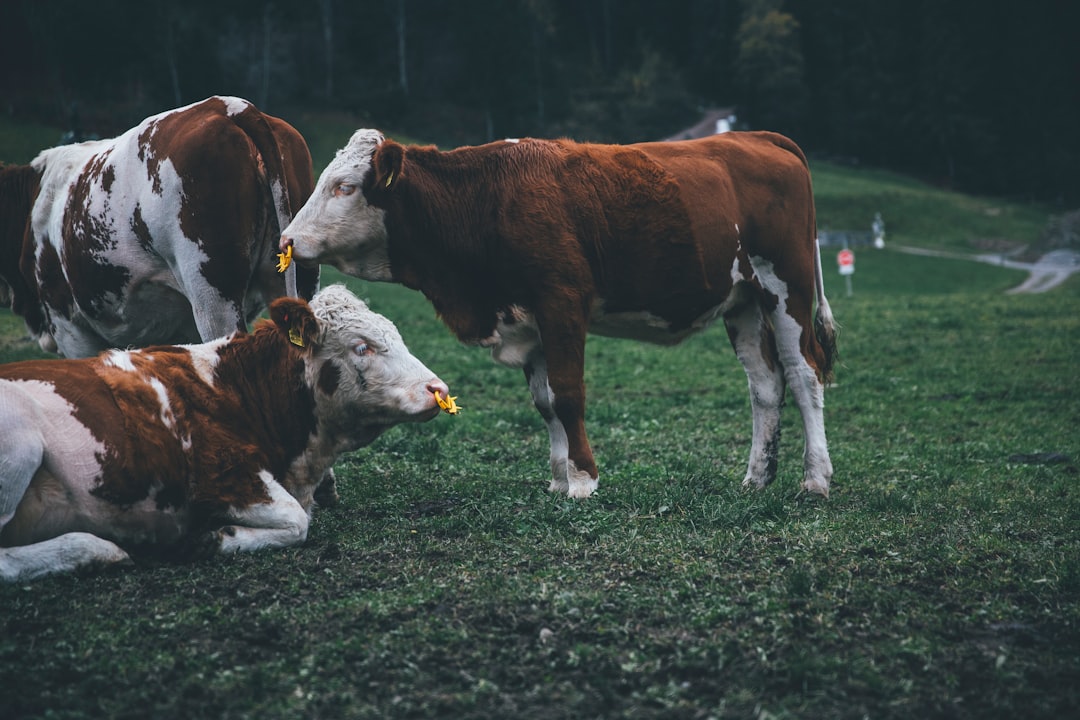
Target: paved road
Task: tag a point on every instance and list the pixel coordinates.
(1046, 273)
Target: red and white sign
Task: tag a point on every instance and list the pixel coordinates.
(846, 260)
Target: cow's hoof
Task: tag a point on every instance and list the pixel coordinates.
(100, 553)
(559, 486)
(201, 546)
(753, 483)
(326, 494)
(582, 485)
(816, 486)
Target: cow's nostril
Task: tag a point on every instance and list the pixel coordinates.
(438, 386)
(285, 243)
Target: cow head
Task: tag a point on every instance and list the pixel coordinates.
(337, 226)
(364, 378)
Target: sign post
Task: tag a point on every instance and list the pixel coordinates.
(845, 259)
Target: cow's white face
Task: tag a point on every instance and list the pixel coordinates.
(337, 226)
(365, 378)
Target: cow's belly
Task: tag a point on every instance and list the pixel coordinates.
(153, 313)
(515, 341)
(647, 327)
(51, 508)
(157, 313)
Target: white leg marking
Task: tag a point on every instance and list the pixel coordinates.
(579, 483)
(280, 523)
(63, 554)
(766, 393)
(805, 387)
(519, 345)
(544, 399)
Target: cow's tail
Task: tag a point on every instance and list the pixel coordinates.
(825, 326)
(258, 130)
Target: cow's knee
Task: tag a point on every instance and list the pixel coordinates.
(63, 554)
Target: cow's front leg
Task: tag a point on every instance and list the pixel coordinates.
(281, 522)
(556, 376)
(518, 342)
(574, 475)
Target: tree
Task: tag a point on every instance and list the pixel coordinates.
(326, 8)
(769, 67)
(403, 75)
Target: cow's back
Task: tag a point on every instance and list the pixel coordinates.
(664, 224)
(749, 179)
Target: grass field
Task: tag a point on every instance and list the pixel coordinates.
(941, 579)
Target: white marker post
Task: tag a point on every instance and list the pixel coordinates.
(845, 259)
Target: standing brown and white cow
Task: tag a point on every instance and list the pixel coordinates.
(219, 445)
(166, 233)
(524, 246)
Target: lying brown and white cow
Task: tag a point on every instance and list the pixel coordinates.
(217, 446)
(164, 234)
(526, 245)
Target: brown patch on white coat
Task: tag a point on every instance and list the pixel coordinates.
(164, 234)
(219, 446)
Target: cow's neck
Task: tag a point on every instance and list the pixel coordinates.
(273, 394)
(443, 240)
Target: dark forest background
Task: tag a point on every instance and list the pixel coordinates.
(977, 95)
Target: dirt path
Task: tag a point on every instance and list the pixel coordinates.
(1046, 273)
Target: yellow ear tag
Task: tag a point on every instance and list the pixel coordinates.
(284, 259)
(448, 405)
(295, 338)
(390, 178)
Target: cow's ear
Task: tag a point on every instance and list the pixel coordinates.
(295, 321)
(389, 159)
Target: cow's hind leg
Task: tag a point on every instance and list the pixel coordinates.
(793, 329)
(809, 394)
(66, 553)
(755, 347)
(22, 451)
(22, 447)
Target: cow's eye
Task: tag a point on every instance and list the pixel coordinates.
(362, 349)
(344, 189)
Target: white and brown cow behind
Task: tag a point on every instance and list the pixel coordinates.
(164, 234)
(525, 246)
(217, 447)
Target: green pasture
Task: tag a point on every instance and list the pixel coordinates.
(940, 580)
